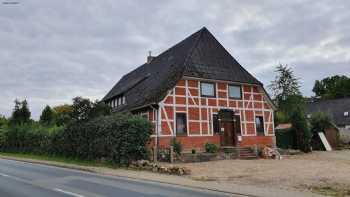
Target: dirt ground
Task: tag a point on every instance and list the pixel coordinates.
(302, 172)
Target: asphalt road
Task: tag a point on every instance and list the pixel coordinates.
(20, 179)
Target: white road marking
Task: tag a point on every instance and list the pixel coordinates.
(4, 175)
(67, 192)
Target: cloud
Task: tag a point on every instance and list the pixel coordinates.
(52, 51)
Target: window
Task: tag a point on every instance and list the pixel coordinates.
(181, 124)
(216, 127)
(346, 114)
(235, 91)
(118, 101)
(207, 89)
(124, 100)
(144, 115)
(259, 124)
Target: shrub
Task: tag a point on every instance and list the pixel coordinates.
(302, 130)
(211, 148)
(32, 138)
(176, 145)
(319, 122)
(119, 138)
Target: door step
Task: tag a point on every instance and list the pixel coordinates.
(241, 152)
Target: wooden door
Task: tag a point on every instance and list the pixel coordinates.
(228, 136)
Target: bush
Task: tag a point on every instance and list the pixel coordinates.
(211, 148)
(119, 138)
(32, 138)
(302, 130)
(319, 122)
(176, 145)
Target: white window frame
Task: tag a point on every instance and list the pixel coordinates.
(263, 124)
(240, 91)
(210, 83)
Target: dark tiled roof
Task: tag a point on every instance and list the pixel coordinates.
(200, 55)
(335, 108)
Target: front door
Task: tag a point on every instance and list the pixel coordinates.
(228, 135)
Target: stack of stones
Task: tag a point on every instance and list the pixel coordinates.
(154, 167)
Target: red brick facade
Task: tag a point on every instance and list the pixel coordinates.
(185, 98)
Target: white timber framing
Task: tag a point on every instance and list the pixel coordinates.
(248, 104)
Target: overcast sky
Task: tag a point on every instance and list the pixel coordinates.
(52, 51)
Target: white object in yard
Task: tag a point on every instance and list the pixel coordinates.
(239, 138)
(324, 141)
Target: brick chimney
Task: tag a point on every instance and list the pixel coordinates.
(149, 57)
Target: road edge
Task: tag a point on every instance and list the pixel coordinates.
(101, 172)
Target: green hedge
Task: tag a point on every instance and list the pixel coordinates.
(118, 138)
(32, 138)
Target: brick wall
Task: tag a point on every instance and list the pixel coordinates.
(185, 98)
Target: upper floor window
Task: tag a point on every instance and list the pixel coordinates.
(259, 124)
(207, 89)
(123, 100)
(235, 91)
(118, 101)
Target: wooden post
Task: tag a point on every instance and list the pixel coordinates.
(256, 150)
(238, 152)
(171, 154)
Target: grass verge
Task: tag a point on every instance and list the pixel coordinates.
(86, 163)
(336, 191)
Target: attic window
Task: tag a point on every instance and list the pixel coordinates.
(346, 113)
(118, 101)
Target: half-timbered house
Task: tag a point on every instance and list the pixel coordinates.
(197, 92)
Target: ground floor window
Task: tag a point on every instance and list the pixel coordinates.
(259, 125)
(145, 115)
(216, 127)
(181, 124)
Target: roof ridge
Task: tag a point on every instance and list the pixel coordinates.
(195, 45)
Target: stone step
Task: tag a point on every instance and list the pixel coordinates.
(248, 158)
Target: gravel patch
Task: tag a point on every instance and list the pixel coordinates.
(294, 172)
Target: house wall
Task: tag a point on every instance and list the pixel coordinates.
(185, 98)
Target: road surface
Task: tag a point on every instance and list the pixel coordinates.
(20, 179)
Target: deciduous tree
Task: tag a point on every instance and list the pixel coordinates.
(332, 87)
